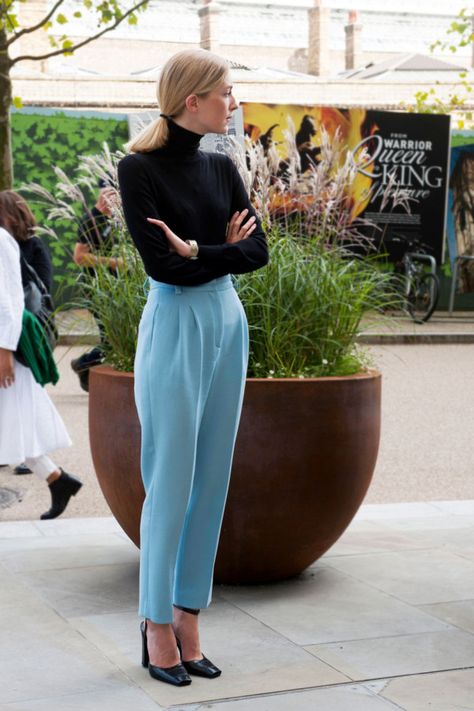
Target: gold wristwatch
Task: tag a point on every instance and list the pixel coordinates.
(194, 248)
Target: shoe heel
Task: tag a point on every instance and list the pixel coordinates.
(77, 487)
(145, 656)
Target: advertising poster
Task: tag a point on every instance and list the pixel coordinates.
(407, 151)
(460, 222)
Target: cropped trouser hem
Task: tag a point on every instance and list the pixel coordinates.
(189, 381)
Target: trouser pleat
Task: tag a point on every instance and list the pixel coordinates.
(189, 382)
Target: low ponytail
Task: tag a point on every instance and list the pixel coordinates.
(191, 71)
(155, 135)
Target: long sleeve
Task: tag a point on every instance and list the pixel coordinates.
(36, 254)
(11, 292)
(195, 193)
(248, 254)
(139, 203)
(43, 265)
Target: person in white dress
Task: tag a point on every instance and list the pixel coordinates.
(30, 425)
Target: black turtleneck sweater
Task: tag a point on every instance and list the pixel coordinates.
(195, 193)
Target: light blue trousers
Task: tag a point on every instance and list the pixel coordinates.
(190, 373)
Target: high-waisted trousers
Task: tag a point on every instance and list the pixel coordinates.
(190, 373)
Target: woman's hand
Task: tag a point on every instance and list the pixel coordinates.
(238, 231)
(117, 263)
(176, 243)
(7, 370)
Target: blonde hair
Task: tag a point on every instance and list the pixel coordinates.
(192, 71)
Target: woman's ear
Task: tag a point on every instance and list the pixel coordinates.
(191, 103)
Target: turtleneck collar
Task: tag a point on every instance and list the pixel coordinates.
(181, 142)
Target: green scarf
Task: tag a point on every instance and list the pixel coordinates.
(36, 351)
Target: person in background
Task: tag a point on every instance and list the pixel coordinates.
(32, 249)
(95, 241)
(30, 426)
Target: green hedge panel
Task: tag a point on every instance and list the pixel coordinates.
(41, 141)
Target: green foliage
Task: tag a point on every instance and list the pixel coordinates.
(104, 12)
(461, 29)
(42, 141)
(115, 298)
(118, 302)
(305, 307)
(461, 139)
(459, 34)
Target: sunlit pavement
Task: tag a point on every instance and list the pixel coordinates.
(385, 620)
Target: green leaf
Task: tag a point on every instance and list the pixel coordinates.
(17, 102)
(61, 19)
(78, 14)
(11, 21)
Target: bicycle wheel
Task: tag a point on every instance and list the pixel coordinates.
(423, 296)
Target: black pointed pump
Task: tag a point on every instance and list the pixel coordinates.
(176, 675)
(198, 667)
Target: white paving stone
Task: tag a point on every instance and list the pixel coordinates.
(397, 656)
(393, 598)
(41, 655)
(254, 658)
(73, 526)
(445, 691)
(88, 590)
(417, 577)
(460, 614)
(75, 555)
(463, 508)
(121, 698)
(324, 606)
(17, 529)
(347, 698)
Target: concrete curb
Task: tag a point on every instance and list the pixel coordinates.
(383, 339)
(441, 329)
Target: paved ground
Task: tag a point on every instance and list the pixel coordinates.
(383, 622)
(427, 445)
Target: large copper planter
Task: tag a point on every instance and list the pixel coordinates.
(304, 459)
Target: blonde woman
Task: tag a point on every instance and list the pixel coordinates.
(191, 220)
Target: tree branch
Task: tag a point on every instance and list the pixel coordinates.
(27, 30)
(70, 50)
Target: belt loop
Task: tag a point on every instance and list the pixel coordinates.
(178, 290)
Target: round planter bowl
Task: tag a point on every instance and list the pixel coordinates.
(304, 458)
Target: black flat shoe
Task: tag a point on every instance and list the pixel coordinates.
(199, 667)
(22, 469)
(61, 491)
(176, 675)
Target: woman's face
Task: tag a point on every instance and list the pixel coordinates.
(216, 108)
